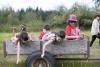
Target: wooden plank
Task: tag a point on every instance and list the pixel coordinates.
(27, 48)
(68, 47)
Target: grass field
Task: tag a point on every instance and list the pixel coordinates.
(10, 61)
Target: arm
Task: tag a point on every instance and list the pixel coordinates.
(45, 45)
(41, 35)
(96, 31)
(95, 23)
(73, 37)
(18, 53)
(68, 31)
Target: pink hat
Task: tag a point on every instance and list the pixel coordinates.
(72, 17)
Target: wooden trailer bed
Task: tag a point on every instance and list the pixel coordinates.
(67, 47)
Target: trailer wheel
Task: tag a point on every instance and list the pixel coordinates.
(35, 60)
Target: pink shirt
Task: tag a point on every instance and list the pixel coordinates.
(77, 33)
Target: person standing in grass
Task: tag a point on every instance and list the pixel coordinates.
(95, 29)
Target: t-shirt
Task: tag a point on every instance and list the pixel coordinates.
(70, 31)
(49, 36)
(95, 24)
(41, 35)
(24, 35)
(19, 36)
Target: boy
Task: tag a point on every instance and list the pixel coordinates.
(46, 29)
(51, 38)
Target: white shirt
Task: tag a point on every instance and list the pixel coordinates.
(95, 24)
(49, 36)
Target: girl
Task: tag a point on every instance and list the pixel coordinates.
(71, 28)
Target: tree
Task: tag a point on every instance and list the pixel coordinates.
(21, 14)
(97, 2)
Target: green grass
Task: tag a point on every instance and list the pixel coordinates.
(88, 33)
(10, 61)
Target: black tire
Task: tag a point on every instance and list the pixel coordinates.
(35, 60)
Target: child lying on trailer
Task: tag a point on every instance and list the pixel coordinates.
(51, 38)
(20, 38)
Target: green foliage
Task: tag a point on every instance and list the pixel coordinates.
(97, 2)
(35, 19)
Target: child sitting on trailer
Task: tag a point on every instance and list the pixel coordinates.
(51, 38)
(46, 29)
(72, 33)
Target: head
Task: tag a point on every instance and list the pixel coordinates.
(60, 36)
(23, 27)
(46, 28)
(72, 19)
(24, 37)
(97, 17)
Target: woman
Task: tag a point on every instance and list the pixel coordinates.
(95, 29)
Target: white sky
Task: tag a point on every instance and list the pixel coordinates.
(44, 4)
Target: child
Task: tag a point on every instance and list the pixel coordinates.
(46, 29)
(20, 38)
(51, 38)
(95, 29)
(71, 28)
(16, 35)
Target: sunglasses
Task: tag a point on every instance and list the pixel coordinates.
(73, 22)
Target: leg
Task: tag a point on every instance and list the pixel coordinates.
(44, 47)
(93, 39)
(98, 36)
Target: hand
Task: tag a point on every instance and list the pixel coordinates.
(81, 36)
(96, 34)
(18, 60)
(42, 55)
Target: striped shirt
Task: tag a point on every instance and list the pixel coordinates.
(49, 36)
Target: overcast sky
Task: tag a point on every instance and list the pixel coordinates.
(44, 4)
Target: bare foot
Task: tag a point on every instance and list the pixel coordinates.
(17, 62)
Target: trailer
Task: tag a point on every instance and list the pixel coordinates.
(33, 50)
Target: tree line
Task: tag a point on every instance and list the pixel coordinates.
(35, 19)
